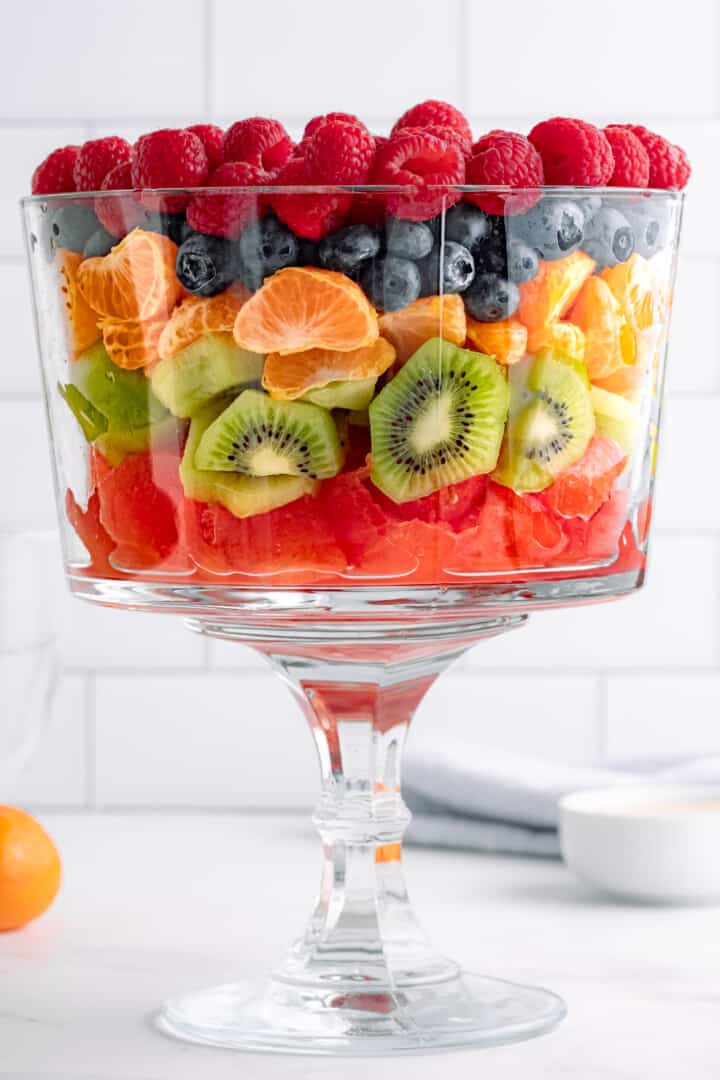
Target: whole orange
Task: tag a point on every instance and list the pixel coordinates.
(29, 868)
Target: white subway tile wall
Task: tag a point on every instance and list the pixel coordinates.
(149, 714)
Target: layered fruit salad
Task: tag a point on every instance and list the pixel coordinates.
(360, 358)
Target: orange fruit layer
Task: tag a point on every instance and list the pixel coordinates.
(136, 280)
(609, 341)
(198, 315)
(29, 868)
(292, 375)
(633, 285)
(505, 340)
(431, 316)
(81, 319)
(303, 308)
(549, 295)
(132, 344)
(568, 339)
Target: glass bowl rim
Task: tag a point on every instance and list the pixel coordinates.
(568, 191)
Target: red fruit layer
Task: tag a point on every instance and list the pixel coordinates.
(573, 152)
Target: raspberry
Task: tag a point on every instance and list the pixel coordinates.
(669, 166)
(632, 161)
(339, 153)
(500, 158)
(446, 133)
(226, 214)
(573, 152)
(422, 161)
(258, 141)
(319, 121)
(431, 113)
(310, 216)
(54, 175)
(211, 136)
(118, 216)
(96, 159)
(169, 158)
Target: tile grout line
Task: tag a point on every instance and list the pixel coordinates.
(90, 742)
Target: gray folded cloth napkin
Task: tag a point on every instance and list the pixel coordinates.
(507, 802)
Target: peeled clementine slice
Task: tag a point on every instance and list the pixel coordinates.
(136, 280)
(292, 375)
(548, 296)
(302, 308)
(431, 316)
(609, 341)
(567, 338)
(505, 340)
(132, 344)
(198, 315)
(632, 283)
(81, 319)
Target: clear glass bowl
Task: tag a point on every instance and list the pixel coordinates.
(360, 455)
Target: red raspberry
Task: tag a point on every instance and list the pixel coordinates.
(169, 158)
(422, 161)
(447, 134)
(54, 175)
(632, 161)
(258, 141)
(339, 153)
(225, 215)
(430, 113)
(211, 136)
(118, 215)
(505, 158)
(311, 216)
(573, 152)
(319, 121)
(96, 159)
(669, 166)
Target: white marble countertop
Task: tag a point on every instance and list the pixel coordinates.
(153, 904)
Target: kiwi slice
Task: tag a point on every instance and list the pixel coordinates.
(258, 436)
(243, 496)
(550, 424)
(345, 394)
(211, 365)
(615, 417)
(115, 445)
(439, 421)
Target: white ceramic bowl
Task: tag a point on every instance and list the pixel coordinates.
(653, 844)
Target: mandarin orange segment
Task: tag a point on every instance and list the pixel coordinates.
(136, 280)
(505, 340)
(609, 342)
(294, 374)
(81, 319)
(429, 317)
(545, 299)
(198, 315)
(131, 344)
(632, 283)
(567, 338)
(302, 308)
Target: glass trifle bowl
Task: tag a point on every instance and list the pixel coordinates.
(361, 456)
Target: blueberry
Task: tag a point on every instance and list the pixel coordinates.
(458, 270)
(609, 238)
(72, 226)
(307, 252)
(174, 226)
(391, 282)
(349, 249)
(522, 262)
(554, 227)
(408, 239)
(264, 247)
(99, 243)
(492, 298)
(650, 221)
(589, 204)
(205, 265)
(468, 225)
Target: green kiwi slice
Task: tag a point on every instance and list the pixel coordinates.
(439, 421)
(243, 496)
(124, 398)
(210, 366)
(615, 417)
(258, 436)
(345, 394)
(550, 424)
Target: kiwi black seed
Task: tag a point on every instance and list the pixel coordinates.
(258, 436)
(439, 421)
